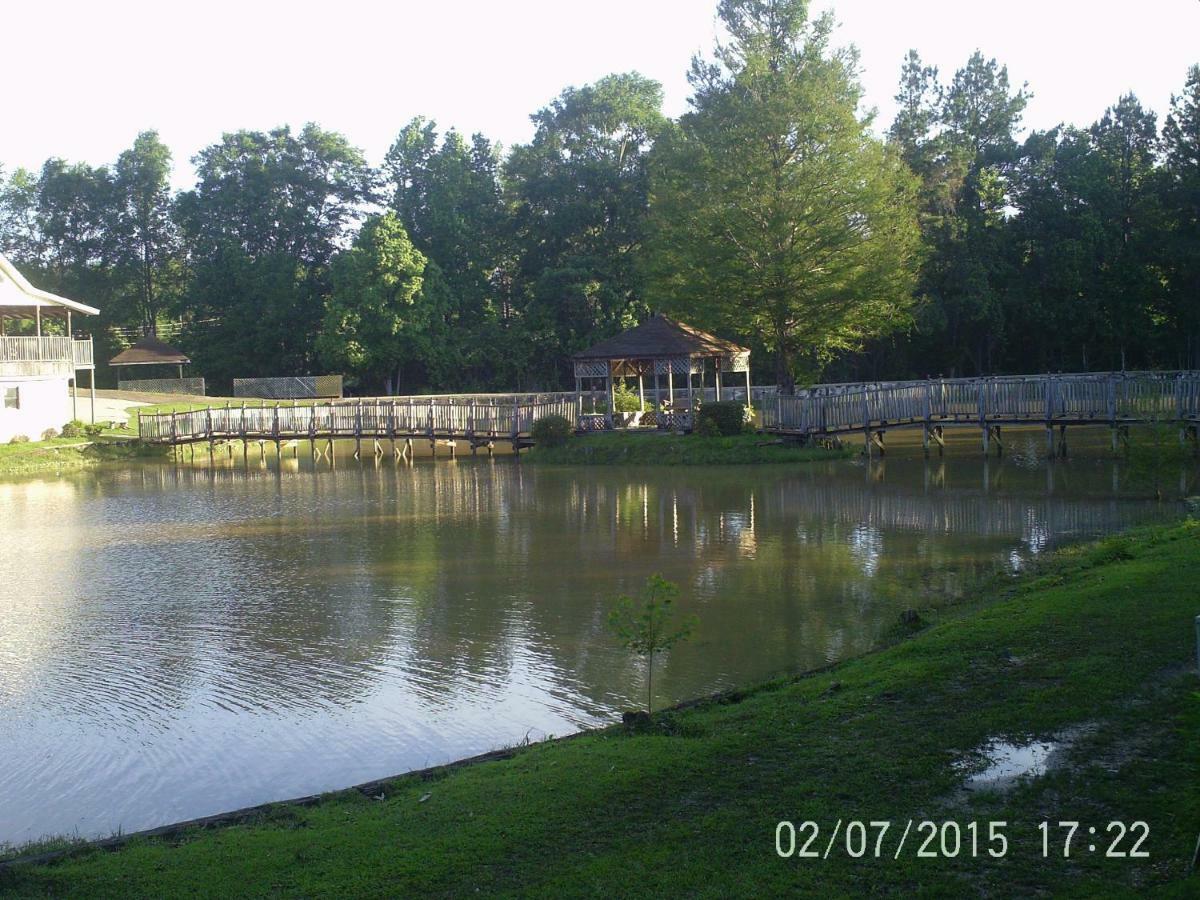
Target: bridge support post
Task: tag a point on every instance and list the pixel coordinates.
(1062, 441)
(925, 439)
(1050, 440)
(987, 433)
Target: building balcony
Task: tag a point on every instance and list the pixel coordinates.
(44, 356)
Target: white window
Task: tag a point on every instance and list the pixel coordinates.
(12, 398)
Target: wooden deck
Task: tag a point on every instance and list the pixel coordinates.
(1115, 399)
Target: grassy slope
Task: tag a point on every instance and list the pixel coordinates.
(1104, 635)
(67, 453)
(631, 448)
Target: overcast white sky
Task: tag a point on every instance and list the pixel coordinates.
(80, 79)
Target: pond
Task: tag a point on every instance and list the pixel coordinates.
(180, 641)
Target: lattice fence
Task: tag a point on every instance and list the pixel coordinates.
(294, 388)
(194, 386)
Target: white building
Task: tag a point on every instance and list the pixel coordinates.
(39, 363)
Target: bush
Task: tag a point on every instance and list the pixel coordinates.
(707, 428)
(625, 398)
(94, 430)
(49, 434)
(551, 431)
(727, 415)
(19, 439)
(73, 429)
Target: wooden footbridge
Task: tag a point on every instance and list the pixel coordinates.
(477, 420)
(1115, 399)
(826, 412)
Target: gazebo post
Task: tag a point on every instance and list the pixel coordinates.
(657, 392)
(641, 391)
(749, 399)
(691, 400)
(717, 379)
(671, 387)
(610, 399)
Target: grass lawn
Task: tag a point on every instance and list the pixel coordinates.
(661, 448)
(69, 453)
(1100, 641)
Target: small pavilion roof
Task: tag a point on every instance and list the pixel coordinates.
(659, 337)
(149, 351)
(18, 296)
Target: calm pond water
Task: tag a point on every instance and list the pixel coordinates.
(176, 642)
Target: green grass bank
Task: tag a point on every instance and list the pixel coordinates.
(668, 449)
(1098, 644)
(60, 454)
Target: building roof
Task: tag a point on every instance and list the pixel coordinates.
(149, 351)
(658, 337)
(16, 291)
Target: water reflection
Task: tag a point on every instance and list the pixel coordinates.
(180, 640)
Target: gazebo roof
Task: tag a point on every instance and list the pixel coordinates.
(149, 351)
(657, 337)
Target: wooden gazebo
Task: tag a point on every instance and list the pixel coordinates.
(150, 351)
(660, 347)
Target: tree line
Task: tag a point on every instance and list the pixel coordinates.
(771, 212)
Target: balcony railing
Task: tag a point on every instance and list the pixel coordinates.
(44, 355)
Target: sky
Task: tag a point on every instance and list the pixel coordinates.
(81, 79)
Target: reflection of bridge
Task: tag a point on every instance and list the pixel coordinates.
(987, 512)
(1116, 399)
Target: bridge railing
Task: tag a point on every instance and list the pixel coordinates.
(1102, 397)
(491, 416)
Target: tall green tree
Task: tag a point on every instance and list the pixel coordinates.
(775, 211)
(579, 193)
(268, 213)
(1125, 283)
(373, 325)
(1181, 199)
(19, 236)
(276, 192)
(147, 240)
(960, 138)
(447, 195)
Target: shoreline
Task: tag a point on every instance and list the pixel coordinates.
(1032, 684)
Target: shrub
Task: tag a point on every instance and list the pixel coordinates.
(94, 430)
(19, 439)
(49, 434)
(707, 428)
(727, 415)
(551, 431)
(73, 429)
(625, 398)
